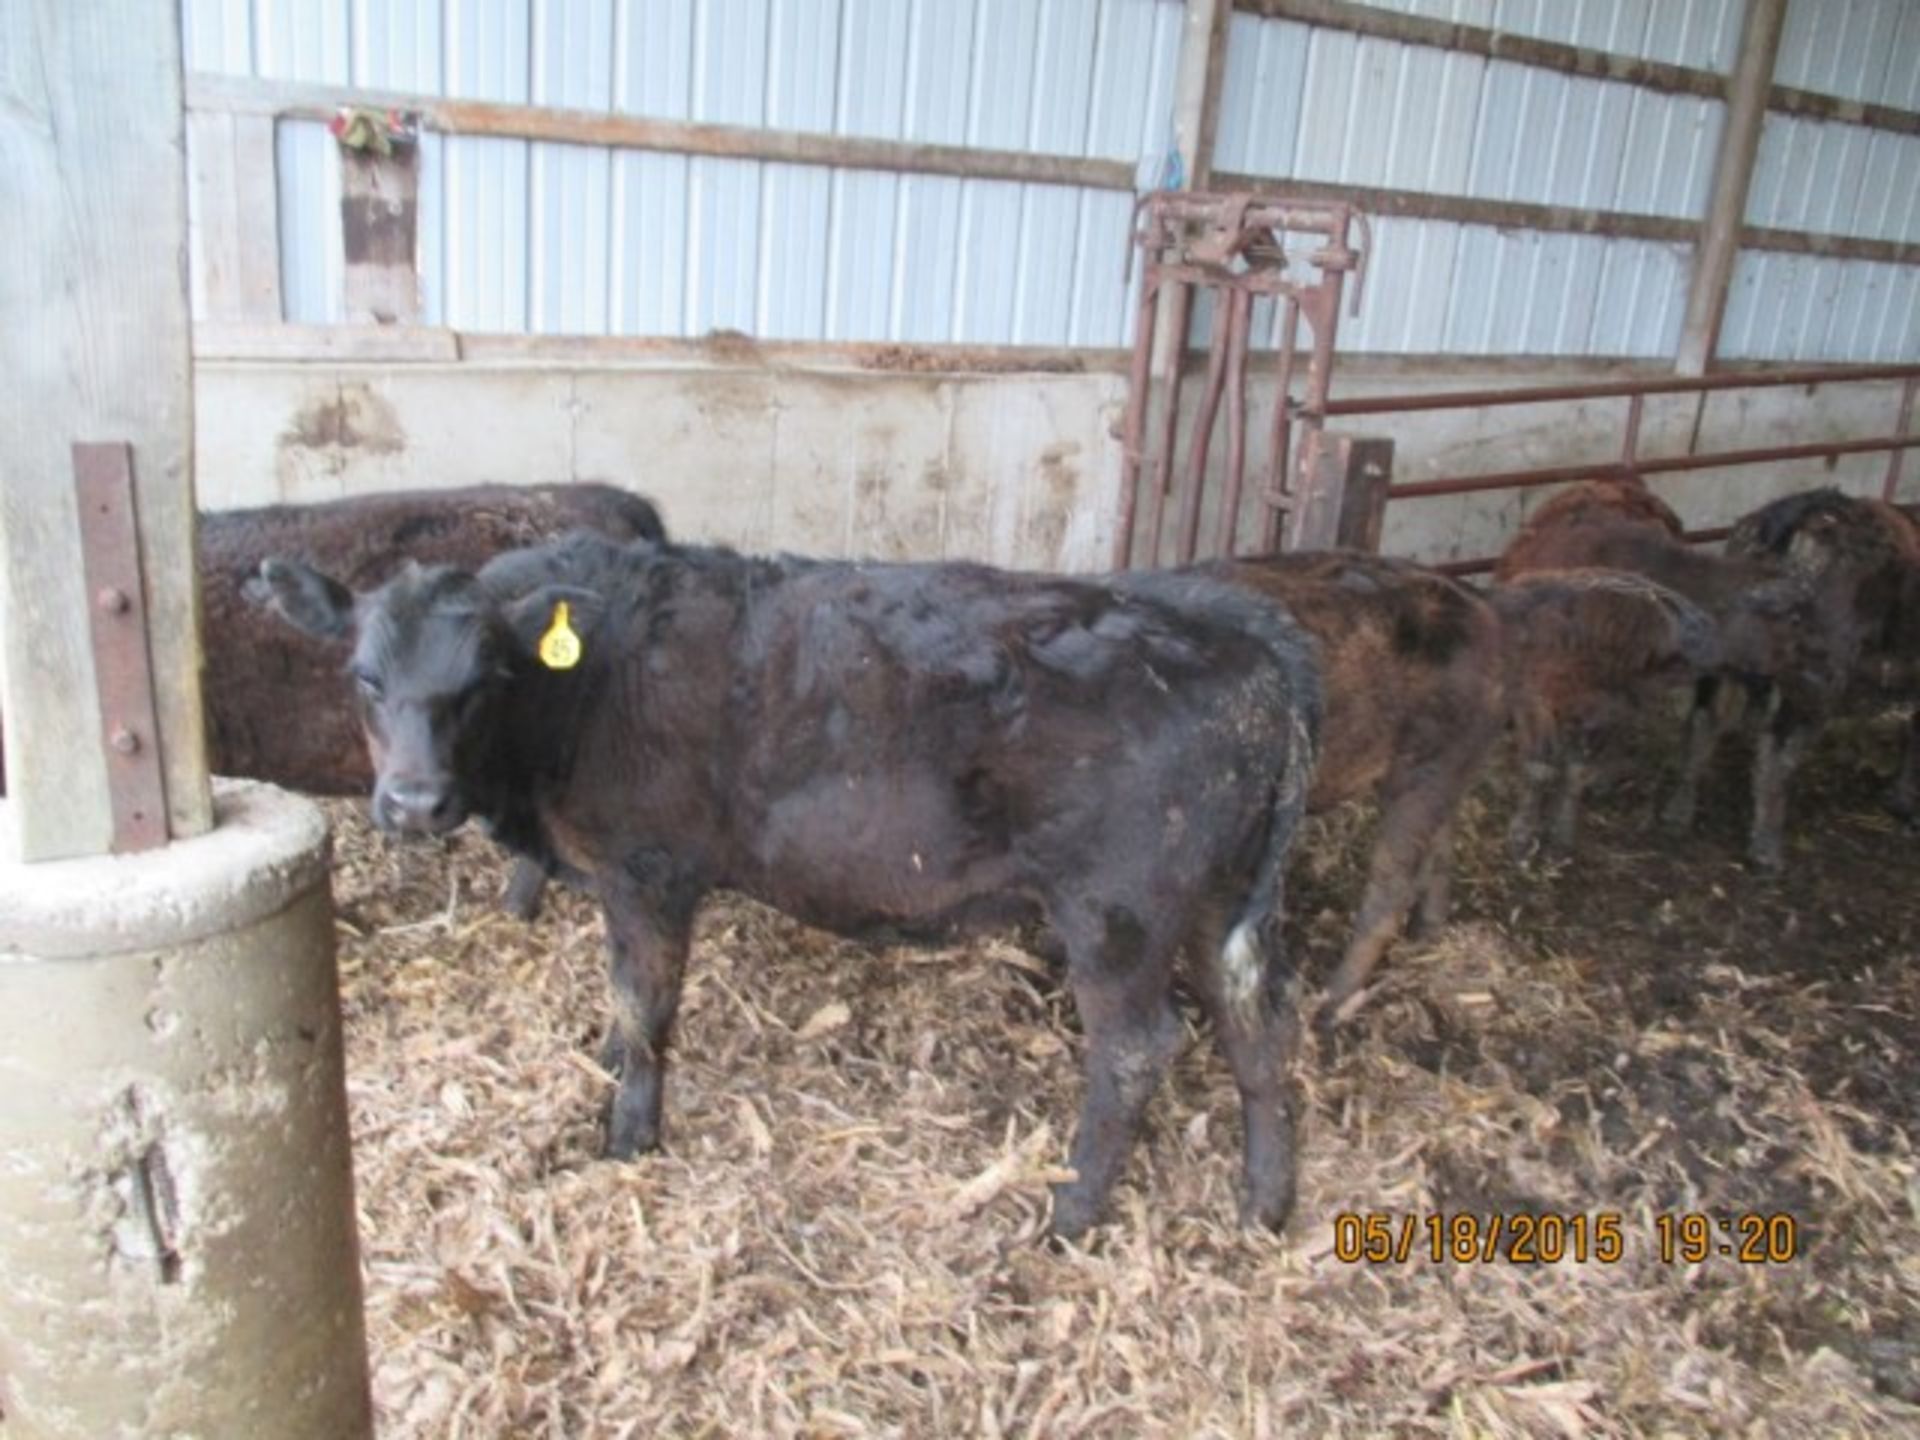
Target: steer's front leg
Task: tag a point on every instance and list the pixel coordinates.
(648, 937)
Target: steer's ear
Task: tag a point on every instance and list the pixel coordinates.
(307, 600)
(556, 624)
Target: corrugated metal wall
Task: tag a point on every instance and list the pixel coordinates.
(1327, 105)
(580, 240)
(1839, 178)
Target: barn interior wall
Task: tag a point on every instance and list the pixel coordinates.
(1015, 469)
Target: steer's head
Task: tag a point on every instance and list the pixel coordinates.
(433, 653)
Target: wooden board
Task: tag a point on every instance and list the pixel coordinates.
(93, 185)
(235, 218)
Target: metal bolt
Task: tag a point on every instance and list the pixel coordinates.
(123, 740)
(113, 600)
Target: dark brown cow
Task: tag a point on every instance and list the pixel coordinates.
(1588, 652)
(1787, 643)
(1876, 546)
(874, 748)
(1411, 673)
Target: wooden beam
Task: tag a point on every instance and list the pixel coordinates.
(1568, 219)
(96, 349)
(1470, 210)
(1493, 44)
(1812, 105)
(1357, 19)
(1719, 243)
(233, 214)
(633, 132)
(216, 95)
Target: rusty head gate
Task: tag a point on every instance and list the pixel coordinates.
(1237, 248)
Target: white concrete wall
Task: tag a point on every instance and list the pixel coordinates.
(1015, 469)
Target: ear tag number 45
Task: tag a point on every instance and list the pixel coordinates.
(560, 646)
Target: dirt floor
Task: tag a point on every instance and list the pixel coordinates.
(845, 1233)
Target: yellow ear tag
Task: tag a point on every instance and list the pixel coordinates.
(560, 647)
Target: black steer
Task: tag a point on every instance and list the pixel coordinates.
(873, 748)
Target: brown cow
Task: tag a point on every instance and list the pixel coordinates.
(874, 748)
(1588, 651)
(1786, 642)
(1411, 676)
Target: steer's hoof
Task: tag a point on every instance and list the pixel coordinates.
(630, 1146)
(1339, 1005)
(1074, 1212)
(630, 1133)
(1677, 816)
(1270, 1209)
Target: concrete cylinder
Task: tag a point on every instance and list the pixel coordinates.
(177, 1246)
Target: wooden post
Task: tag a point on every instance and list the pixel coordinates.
(176, 1189)
(379, 216)
(1196, 92)
(1719, 244)
(95, 348)
(1343, 496)
(1196, 118)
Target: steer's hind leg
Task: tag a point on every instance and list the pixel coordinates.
(649, 943)
(1716, 709)
(1413, 812)
(526, 887)
(1121, 970)
(1429, 917)
(1243, 984)
(1777, 753)
(1904, 800)
(1536, 745)
(1579, 765)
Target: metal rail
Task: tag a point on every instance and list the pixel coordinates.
(1633, 465)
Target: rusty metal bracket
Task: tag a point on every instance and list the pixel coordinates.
(122, 662)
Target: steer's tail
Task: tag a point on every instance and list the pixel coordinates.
(1248, 958)
(1289, 687)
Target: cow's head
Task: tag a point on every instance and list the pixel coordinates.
(433, 653)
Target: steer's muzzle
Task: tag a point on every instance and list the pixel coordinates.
(416, 806)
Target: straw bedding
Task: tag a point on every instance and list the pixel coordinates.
(844, 1235)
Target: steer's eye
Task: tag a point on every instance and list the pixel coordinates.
(368, 683)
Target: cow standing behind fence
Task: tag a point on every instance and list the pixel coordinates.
(1588, 652)
(1872, 549)
(1784, 643)
(927, 748)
